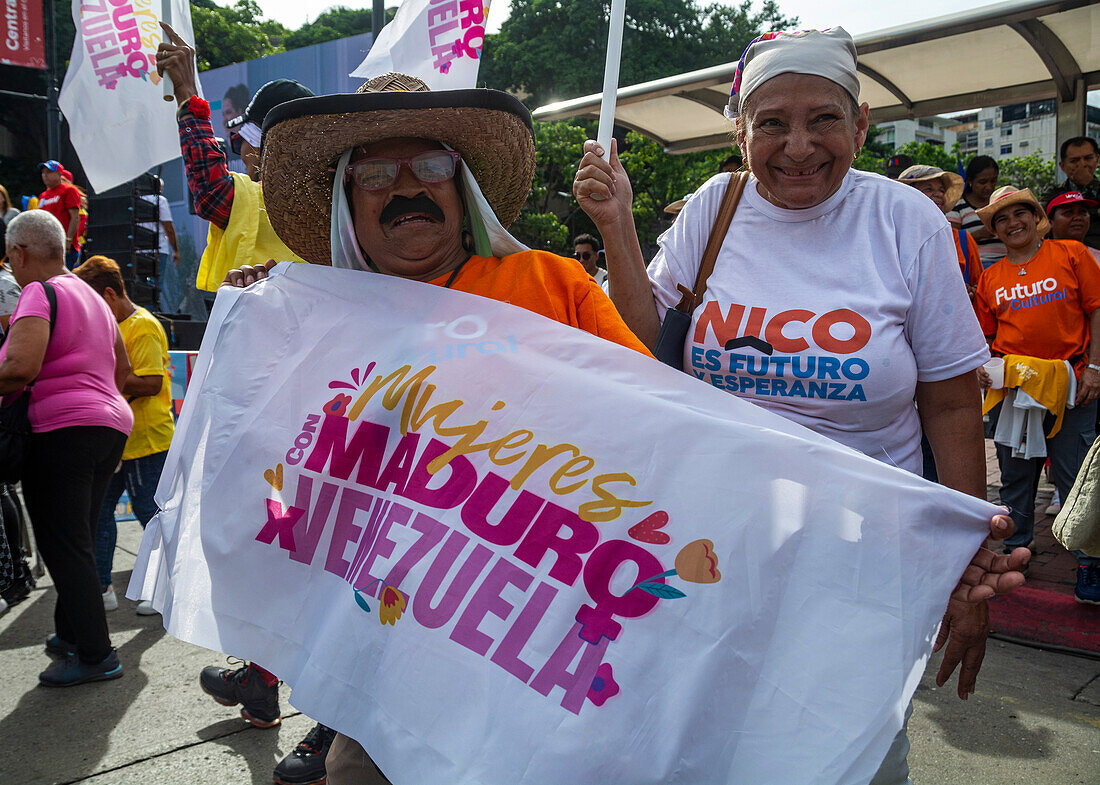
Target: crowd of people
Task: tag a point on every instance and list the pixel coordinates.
(952, 272)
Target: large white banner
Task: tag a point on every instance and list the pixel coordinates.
(496, 549)
(438, 41)
(112, 96)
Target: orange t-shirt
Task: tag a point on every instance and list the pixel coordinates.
(549, 285)
(1043, 313)
(971, 254)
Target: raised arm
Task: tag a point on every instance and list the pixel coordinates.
(207, 173)
(603, 191)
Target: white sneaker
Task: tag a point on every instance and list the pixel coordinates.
(3, 606)
(145, 608)
(110, 599)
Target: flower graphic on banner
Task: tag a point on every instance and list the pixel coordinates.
(338, 405)
(604, 687)
(391, 605)
(696, 562)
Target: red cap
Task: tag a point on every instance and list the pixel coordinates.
(1069, 197)
(66, 174)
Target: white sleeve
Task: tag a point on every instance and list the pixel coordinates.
(165, 210)
(941, 326)
(681, 246)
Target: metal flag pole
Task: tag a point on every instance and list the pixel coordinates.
(611, 76)
(169, 91)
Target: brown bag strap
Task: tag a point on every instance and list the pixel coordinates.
(735, 186)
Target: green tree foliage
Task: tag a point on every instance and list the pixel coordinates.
(1029, 171)
(873, 155)
(1033, 171)
(547, 218)
(233, 34)
(337, 22)
(658, 178)
(554, 49)
(551, 217)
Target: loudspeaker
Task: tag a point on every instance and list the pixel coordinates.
(182, 332)
(113, 239)
(123, 209)
(115, 230)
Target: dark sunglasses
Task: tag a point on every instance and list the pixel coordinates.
(583, 256)
(378, 172)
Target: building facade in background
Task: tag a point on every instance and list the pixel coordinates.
(999, 131)
(933, 130)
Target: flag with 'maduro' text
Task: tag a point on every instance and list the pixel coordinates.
(119, 122)
(496, 549)
(438, 41)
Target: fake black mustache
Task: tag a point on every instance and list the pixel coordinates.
(402, 205)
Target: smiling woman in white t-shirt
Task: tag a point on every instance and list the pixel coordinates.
(846, 284)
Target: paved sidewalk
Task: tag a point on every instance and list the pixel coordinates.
(1034, 719)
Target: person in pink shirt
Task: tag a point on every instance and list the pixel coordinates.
(74, 356)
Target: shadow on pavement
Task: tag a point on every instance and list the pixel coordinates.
(63, 734)
(1003, 737)
(35, 620)
(259, 749)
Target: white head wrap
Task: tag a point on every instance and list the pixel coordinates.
(829, 53)
(251, 133)
(490, 237)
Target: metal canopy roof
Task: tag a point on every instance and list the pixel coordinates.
(999, 54)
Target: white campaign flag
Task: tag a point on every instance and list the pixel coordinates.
(438, 41)
(119, 122)
(496, 549)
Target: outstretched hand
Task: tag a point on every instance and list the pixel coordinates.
(965, 625)
(602, 188)
(176, 60)
(249, 274)
(989, 573)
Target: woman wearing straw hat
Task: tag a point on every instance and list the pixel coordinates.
(425, 185)
(944, 189)
(822, 268)
(1041, 302)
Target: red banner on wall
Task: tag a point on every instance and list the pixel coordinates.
(23, 43)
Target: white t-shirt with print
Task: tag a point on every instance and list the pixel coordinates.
(859, 298)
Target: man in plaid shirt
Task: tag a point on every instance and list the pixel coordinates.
(233, 203)
(239, 235)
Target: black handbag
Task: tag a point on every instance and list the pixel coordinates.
(15, 423)
(674, 328)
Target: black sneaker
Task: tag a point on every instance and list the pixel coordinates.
(259, 703)
(72, 671)
(59, 648)
(1087, 589)
(306, 764)
(20, 587)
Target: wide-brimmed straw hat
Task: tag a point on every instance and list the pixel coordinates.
(952, 184)
(1006, 196)
(304, 138)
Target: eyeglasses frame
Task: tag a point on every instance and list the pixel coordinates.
(349, 170)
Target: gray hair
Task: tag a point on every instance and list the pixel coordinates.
(39, 232)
